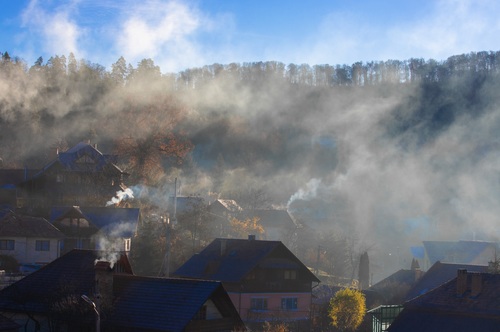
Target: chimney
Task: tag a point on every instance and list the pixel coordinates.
(461, 282)
(476, 284)
(104, 283)
(251, 237)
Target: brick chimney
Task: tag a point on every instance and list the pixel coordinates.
(104, 283)
(461, 282)
(476, 284)
(251, 237)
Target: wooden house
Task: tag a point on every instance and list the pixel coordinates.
(103, 228)
(82, 175)
(469, 302)
(52, 298)
(264, 279)
(30, 240)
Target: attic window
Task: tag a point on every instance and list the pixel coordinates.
(290, 274)
(85, 159)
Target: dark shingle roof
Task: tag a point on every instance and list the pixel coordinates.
(69, 160)
(164, 304)
(418, 321)
(71, 274)
(441, 309)
(117, 222)
(230, 260)
(438, 274)
(16, 225)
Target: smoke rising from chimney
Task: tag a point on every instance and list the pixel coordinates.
(121, 195)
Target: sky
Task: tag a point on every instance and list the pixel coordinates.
(178, 35)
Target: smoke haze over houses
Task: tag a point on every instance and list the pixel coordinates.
(390, 164)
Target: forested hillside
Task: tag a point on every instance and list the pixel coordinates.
(386, 153)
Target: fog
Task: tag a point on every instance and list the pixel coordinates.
(387, 164)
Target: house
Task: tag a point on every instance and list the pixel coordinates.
(52, 297)
(395, 287)
(101, 228)
(30, 240)
(264, 279)
(469, 302)
(159, 304)
(459, 252)
(438, 274)
(81, 176)
(405, 285)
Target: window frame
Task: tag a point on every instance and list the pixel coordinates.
(259, 304)
(7, 244)
(289, 303)
(290, 275)
(42, 245)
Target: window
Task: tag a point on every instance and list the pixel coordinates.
(290, 274)
(289, 303)
(42, 245)
(6, 244)
(259, 303)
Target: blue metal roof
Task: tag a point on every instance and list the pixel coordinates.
(164, 304)
(230, 260)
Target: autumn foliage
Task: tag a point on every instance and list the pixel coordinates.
(347, 309)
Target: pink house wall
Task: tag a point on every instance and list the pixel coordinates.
(243, 301)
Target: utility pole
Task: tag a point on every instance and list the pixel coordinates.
(165, 267)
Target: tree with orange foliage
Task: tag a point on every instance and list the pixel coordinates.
(241, 228)
(149, 142)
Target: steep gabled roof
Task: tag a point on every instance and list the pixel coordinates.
(71, 274)
(441, 309)
(82, 157)
(116, 222)
(16, 225)
(438, 274)
(230, 260)
(165, 304)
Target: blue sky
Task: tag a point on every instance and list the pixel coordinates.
(193, 33)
